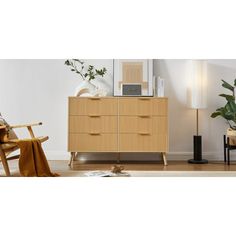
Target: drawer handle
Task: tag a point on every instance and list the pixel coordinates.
(144, 116)
(94, 133)
(94, 98)
(144, 133)
(94, 116)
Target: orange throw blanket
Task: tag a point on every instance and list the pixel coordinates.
(32, 160)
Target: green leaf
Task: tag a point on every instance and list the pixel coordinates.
(227, 86)
(232, 106)
(228, 97)
(67, 62)
(78, 60)
(215, 114)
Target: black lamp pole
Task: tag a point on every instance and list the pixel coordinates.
(197, 147)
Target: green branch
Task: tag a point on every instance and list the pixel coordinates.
(78, 67)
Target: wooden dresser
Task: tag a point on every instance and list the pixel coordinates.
(118, 124)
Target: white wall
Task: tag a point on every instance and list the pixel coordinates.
(37, 90)
(182, 123)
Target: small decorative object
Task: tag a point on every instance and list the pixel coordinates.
(228, 112)
(130, 75)
(98, 173)
(160, 87)
(86, 88)
(116, 169)
(131, 89)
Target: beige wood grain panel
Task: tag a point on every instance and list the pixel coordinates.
(160, 125)
(142, 143)
(135, 106)
(160, 106)
(97, 124)
(135, 124)
(93, 143)
(93, 106)
(162, 142)
(149, 124)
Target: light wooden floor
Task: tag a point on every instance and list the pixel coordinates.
(154, 166)
(135, 166)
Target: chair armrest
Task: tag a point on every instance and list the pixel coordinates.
(26, 125)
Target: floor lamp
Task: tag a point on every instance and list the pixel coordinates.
(198, 101)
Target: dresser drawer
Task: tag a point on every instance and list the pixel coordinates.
(97, 124)
(93, 106)
(93, 142)
(135, 124)
(159, 107)
(135, 106)
(143, 124)
(143, 106)
(142, 142)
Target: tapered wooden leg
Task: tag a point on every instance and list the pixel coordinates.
(164, 158)
(4, 163)
(72, 157)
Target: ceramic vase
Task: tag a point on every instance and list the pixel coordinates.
(86, 89)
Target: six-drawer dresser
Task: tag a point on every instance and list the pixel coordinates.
(118, 124)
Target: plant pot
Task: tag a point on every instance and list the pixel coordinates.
(231, 133)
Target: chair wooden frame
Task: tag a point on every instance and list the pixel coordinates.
(8, 147)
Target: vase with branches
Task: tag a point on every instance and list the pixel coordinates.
(88, 73)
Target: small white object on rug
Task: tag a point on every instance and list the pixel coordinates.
(98, 173)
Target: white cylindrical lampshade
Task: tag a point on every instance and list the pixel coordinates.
(198, 76)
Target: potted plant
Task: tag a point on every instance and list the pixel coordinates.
(87, 73)
(228, 112)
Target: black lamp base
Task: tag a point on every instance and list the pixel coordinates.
(197, 151)
(203, 161)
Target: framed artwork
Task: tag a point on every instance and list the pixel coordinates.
(133, 77)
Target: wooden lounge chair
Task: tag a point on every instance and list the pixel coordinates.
(6, 148)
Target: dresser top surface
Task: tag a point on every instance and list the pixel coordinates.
(120, 97)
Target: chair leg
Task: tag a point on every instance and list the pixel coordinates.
(72, 159)
(225, 147)
(164, 159)
(4, 163)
